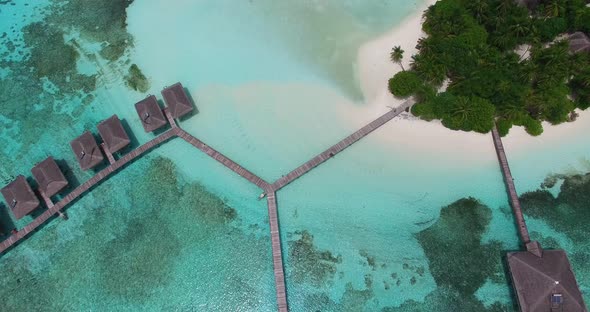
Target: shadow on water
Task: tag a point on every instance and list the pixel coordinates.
(68, 172)
(134, 142)
(193, 103)
(6, 223)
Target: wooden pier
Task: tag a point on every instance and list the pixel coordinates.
(224, 160)
(106, 151)
(339, 147)
(543, 280)
(269, 189)
(277, 254)
(509, 181)
(48, 202)
(171, 120)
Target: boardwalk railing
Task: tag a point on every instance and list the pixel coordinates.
(509, 181)
(232, 165)
(269, 189)
(339, 147)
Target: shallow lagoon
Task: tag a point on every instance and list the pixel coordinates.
(349, 227)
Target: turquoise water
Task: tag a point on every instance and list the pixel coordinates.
(178, 231)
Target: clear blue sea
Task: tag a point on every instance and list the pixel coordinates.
(177, 231)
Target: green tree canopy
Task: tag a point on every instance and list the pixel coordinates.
(472, 45)
(404, 84)
(583, 20)
(464, 113)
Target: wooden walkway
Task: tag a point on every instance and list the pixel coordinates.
(170, 119)
(224, 160)
(509, 180)
(76, 193)
(277, 253)
(339, 147)
(110, 156)
(270, 190)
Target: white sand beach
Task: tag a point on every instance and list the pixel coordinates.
(374, 70)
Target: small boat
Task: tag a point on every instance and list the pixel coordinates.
(263, 195)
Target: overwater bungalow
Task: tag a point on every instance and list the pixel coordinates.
(177, 100)
(87, 151)
(20, 197)
(545, 283)
(112, 133)
(579, 42)
(49, 177)
(150, 114)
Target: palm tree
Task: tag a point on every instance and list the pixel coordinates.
(533, 42)
(396, 55)
(462, 109)
(429, 68)
(502, 41)
(519, 30)
(553, 8)
(503, 6)
(424, 45)
(583, 79)
(512, 111)
(480, 9)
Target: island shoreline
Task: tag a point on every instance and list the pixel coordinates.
(374, 70)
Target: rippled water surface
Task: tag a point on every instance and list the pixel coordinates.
(378, 228)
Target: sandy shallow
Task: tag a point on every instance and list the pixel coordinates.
(374, 71)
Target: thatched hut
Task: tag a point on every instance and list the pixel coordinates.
(20, 197)
(113, 134)
(150, 114)
(87, 151)
(177, 100)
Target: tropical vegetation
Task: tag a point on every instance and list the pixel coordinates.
(500, 62)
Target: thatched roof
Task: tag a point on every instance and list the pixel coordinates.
(579, 42)
(49, 177)
(546, 282)
(177, 101)
(20, 197)
(112, 133)
(150, 114)
(87, 151)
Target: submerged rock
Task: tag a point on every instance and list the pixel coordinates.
(456, 257)
(139, 260)
(458, 261)
(310, 264)
(569, 212)
(136, 80)
(123, 244)
(448, 300)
